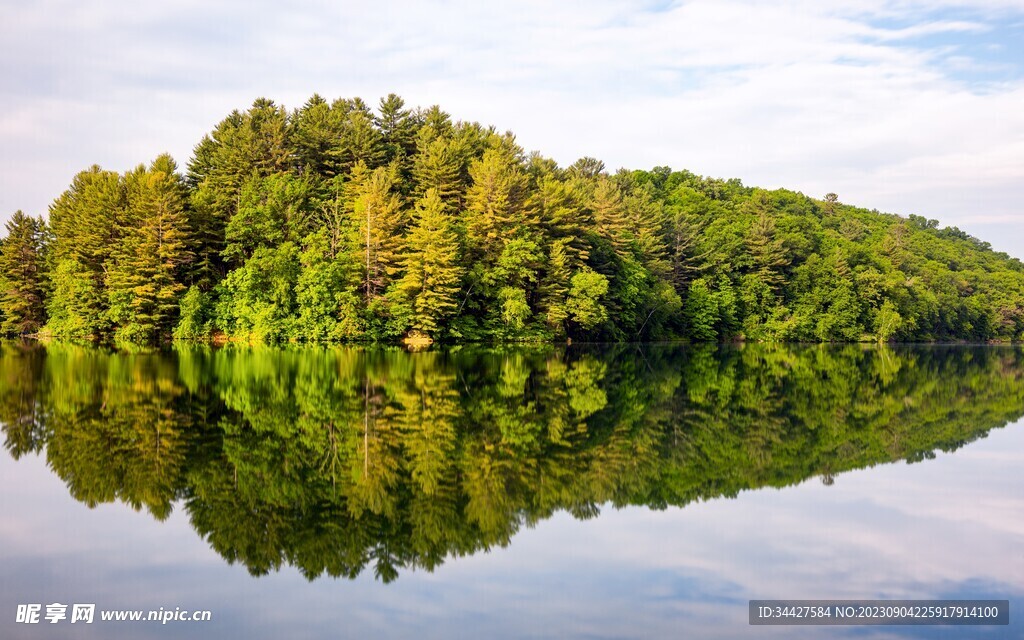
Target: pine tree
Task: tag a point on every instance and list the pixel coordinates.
(556, 205)
(610, 214)
(432, 276)
(315, 133)
(439, 165)
(554, 287)
(646, 217)
(398, 129)
(377, 219)
(88, 221)
(494, 202)
(767, 252)
(23, 275)
(256, 142)
(144, 282)
(361, 142)
(437, 120)
(587, 168)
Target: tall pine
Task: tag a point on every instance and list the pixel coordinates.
(144, 281)
(88, 221)
(432, 276)
(23, 275)
(377, 219)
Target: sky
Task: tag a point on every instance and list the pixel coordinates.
(905, 106)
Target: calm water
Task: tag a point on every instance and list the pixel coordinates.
(591, 492)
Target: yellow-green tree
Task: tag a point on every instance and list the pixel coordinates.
(432, 275)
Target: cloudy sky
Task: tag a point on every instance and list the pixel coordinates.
(908, 106)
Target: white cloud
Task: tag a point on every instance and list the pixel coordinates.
(838, 96)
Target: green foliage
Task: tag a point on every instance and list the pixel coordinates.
(432, 276)
(24, 276)
(88, 222)
(196, 316)
(514, 309)
(257, 301)
(271, 210)
(701, 312)
(144, 278)
(327, 293)
(377, 220)
(403, 220)
(584, 301)
(887, 321)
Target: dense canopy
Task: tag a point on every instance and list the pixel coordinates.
(338, 222)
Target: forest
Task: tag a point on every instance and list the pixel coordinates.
(336, 222)
(345, 459)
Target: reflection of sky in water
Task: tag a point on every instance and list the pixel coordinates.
(952, 527)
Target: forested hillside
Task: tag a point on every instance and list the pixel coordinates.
(338, 222)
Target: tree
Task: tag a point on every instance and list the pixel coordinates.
(88, 222)
(554, 287)
(257, 301)
(397, 127)
(144, 279)
(584, 302)
(587, 168)
(315, 133)
(767, 252)
(23, 275)
(195, 316)
(361, 142)
(831, 204)
(271, 210)
(439, 165)
(378, 219)
(254, 143)
(645, 216)
(556, 205)
(494, 202)
(432, 275)
(887, 321)
(701, 312)
(610, 215)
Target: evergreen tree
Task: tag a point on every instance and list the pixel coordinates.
(610, 217)
(494, 202)
(767, 252)
(23, 275)
(554, 287)
(377, 219)
(646, 221)
(397, 128)
(432, 276)
(315, 133)
(361, 142)
(88, 222)
(242, 145)
(144, 280)
(557, 207)
(439, 165)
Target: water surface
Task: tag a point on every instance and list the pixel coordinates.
(615, 491)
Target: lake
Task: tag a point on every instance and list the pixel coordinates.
(598, 491)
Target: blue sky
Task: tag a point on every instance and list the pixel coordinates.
(904, 106)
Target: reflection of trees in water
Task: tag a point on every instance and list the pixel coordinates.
(332, 460)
